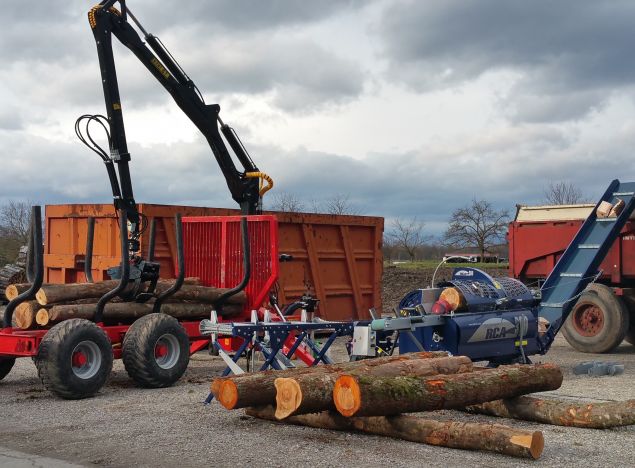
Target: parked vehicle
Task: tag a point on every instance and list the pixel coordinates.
(604, 314)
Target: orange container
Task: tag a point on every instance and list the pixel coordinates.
(336, 258)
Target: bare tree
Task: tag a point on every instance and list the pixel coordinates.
(315, 206)
(340, 204)
(477, 225)
(15, 220)
(562, 193)
(408, 235)
(287, 202)
(389, 246)
(14, 229)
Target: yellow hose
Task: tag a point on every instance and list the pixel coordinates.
(262, 176)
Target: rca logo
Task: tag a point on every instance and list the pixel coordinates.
(493, 333)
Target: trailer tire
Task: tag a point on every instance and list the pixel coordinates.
(74, 359)
(6, 364)
(156, 351)
(598, 322)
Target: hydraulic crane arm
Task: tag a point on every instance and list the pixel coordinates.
(106, 21)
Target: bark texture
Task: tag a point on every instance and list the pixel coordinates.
(382, 396)
(61, 293)
(310, 393)
(469, 436)
(133, 310)
(258, 388)
(561, 413)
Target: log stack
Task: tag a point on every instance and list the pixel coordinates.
(57, 302)
(371, 396)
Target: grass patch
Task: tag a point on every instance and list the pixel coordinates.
(431, 264)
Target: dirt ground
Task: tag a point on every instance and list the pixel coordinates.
(127, 426)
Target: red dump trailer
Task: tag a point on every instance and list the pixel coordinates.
(336, 258)
(604, 315)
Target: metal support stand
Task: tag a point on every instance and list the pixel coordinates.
(88, 259)
(181, 261)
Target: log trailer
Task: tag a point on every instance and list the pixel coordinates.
(75, 356)
(498, 319)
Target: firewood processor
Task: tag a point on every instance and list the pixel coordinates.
(499, 319)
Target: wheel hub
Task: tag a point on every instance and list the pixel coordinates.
(167, 351)
(160, 350)
(588, 320)
(79, 359)
(86, 359)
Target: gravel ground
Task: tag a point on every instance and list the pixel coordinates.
(124, 426)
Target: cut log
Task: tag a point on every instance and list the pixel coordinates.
(469, 436)
(62, 293)
(382, 396)
(454, 297)
(24, 314)
(133, 310)
(258, 388)
(205, 294)
(601, 415)
(14, 290)
(42, 317)
(310, 393)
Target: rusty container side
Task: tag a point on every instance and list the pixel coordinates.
(337, 258)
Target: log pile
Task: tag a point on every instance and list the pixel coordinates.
(372, 396)
(57, 302)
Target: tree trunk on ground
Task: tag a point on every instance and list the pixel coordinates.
(310, 393)
(381, 396)
(24, 314)
(468, 436)
(133, 310)
(61, 293)
(14, 290)
(561, 413)
(257, 389)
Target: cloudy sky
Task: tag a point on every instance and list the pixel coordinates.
(412, 108)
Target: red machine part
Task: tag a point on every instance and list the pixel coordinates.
(536, 246)
(214, 253)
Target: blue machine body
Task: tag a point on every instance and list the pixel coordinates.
(499, 322)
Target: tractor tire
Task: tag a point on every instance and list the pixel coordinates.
(6, 364)
(156, 351)
(74, 359)
(598, 322)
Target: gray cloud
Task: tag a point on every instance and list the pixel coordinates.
(302, 76)
(232, 15)
(51, 58)
(584, 46)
